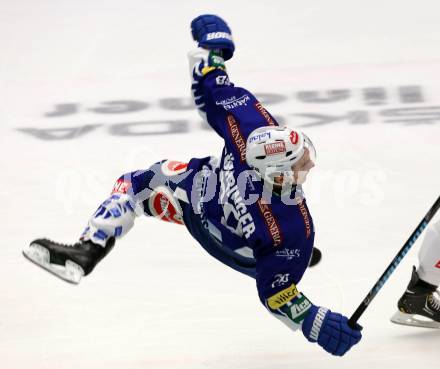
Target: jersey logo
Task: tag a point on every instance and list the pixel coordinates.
(280, 280)
(283, 297)
(299, 308)
(265, 114)
(237, 137)
(438, 264)
(288, 254)
(121, 186)
(237, 217)
(272, 225)
(234, 102)
(163, 206)
(275, 148)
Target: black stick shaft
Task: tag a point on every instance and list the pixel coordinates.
(396, 261)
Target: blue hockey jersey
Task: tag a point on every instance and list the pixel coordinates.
(275, 231)
(223, 203)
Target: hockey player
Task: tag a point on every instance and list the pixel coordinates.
(246, 209)
(421, 296)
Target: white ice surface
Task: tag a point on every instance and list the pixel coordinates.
(159, 301)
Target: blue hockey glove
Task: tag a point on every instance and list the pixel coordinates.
(212, 32)
(330, 330)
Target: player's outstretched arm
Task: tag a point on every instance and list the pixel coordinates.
(215, 45)
(218, 101)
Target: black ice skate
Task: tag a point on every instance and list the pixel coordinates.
(69, 262)
(419, 306)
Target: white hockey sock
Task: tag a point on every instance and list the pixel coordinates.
(114, 218)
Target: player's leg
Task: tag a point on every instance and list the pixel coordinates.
(421, 297)
(141, 192)
(112, 220)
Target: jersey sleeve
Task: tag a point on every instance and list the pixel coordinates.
(226, 103)
(278, 274)
(283, 244)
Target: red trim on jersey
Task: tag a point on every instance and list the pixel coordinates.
(121, 186)
(305, 215)
(272, 225)
(237, 137)
(265, 114)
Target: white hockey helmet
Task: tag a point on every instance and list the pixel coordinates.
(271, 151)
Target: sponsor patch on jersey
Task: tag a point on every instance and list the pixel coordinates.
(282, 297)
(294, 137)
(173, 167)
(236, 216)
(275, 148)
(288, 254)
(305, 215)
(237, 137)
(164, 207)
(265, 114)
(234, 102)
(272, 225)
(297, 310)
(121, 186)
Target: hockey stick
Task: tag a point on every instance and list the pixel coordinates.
(396, 261)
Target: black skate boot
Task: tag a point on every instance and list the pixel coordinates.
(69, 262)
(316, 257)
(421, 299)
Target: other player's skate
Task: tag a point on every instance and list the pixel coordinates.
(69, 262)
(419, 306)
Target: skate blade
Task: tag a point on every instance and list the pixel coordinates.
(70, 272)
(413, 321)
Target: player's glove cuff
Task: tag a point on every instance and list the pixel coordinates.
(203, 61)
